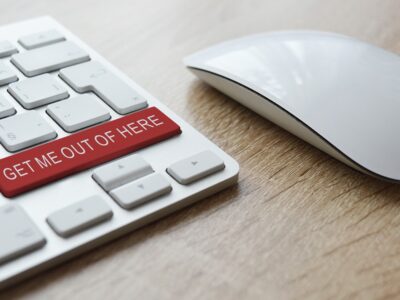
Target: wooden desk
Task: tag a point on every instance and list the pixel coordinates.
(298, 225)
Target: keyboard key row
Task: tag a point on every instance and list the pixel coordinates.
(28, 129)
(49, 58)
(44, 89)
(131, 182)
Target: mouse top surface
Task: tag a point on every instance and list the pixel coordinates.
(345, 90)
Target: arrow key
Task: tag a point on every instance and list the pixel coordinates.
(196, 167)
(79, 216)
(140, 191)
(122, 171)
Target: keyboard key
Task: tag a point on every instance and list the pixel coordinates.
(78, 113)
(7, 49)
(119, 172)
(79, 216)
(6, 75)
(94, 77)
(24, 130)
(18, 234)
(40, 39)
(6, 108)
(49, 58)
(140, 191)
(37, 91)
(80, 151)
(196, 167)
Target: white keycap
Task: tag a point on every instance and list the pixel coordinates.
(7, 49)
(6, 108)
(24, 130)
(40, 39)
(18, 234)
(37, 91)
(140, 191)
(196, 167)
(49, 58)
(6, 75)
(79, 216)
(78, 112)
(93, 77)
(121, 171)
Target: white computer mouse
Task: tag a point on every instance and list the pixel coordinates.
(339, 94)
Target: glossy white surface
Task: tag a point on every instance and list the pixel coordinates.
(345, 91)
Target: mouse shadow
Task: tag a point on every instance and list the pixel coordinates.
(126, 242)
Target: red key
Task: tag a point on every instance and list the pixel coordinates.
(40, 165)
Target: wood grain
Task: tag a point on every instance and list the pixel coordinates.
(299, 225)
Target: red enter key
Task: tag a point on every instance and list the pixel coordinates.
(40, 165)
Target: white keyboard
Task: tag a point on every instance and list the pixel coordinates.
(86, 153)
